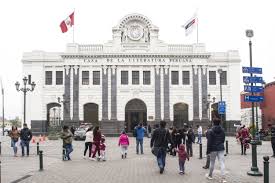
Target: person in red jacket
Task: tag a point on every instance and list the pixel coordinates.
(244, 139)
(123, 143)
(182, 158)
(97, 140)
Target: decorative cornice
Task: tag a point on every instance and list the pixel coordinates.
(71, 56)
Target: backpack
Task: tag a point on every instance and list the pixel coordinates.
(135, 132)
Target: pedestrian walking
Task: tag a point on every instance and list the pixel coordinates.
(14, 135)
(199, 130)
(189, 141)
(96, 143)
(25, 137)
(123, 143)
(159, 144)
(207, 155)
(273, 140)
(182, 158)
(149, 131)
(139, 131)
(215, 147)
(88, 142)
(244, 138)
(67, 137)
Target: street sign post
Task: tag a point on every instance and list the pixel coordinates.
(255, 70)
(221, 107)
(252, 98)
(253, 89)
(248, 79)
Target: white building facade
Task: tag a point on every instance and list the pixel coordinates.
(133, 78)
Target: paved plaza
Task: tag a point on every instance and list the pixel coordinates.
(134, 169)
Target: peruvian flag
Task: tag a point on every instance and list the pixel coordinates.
(190, 25)
(67, 23)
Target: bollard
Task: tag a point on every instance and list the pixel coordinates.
(40, 160)
(0, 172)
(266, 169)
(37, 148)
(0, 149)
(200, 151)
(226, 146)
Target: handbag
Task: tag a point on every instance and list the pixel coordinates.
(155, 150)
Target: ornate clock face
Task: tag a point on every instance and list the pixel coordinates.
(135, 32)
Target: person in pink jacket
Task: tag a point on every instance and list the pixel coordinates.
(123, 143)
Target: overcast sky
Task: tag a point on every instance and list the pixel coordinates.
(34, 25)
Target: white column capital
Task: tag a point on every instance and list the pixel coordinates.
(113, 69)
(67, 67)
(166, 69)
(204, 67)
(75, 68)
(104, 67)
(157, 67)
(195, 67)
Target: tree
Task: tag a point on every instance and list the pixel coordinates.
(16, 122)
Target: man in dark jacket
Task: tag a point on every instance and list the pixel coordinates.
(215, 147)
(25, 137)
(160, 139)
(190, 140)
(273, 140)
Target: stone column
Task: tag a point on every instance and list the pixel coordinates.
(196, 107)
(204, 92)
(114, 93)
(76, 94)
(66, 104)
(104, 93)
(166, 93)
(157, 94)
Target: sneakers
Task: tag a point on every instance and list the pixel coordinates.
(84, 157)
(205, 167)
(223, 181)
(209, 177)
(92, 159)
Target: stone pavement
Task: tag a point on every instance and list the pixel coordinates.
(134, 169)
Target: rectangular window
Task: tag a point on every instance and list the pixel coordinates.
(96, 77)
(185, 77)
(135, 77)
(85, 77)
(124, 77)
(59, 78)
(175, 77)
(212, 77)
(49, 78)
(146, 77)
(224, 78)
(29, 79)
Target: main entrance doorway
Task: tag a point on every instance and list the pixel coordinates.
(180, 115)
(91, 114)
(135, 113)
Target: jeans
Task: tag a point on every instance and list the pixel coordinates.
(199, 138)
(161, 158)
(14, 145)
(181, 165)
(69, 149)
(27, 144)
(189, 149)
(124, 149)
(88, 145)
(220, 155)
(139, 143)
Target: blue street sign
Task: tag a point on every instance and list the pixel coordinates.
(255, 70)
(249, 98)
(248, 79)
(221, 107)
(253, 89)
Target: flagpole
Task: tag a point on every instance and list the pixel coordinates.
(197, 30)
(3, 113)
(73, 27)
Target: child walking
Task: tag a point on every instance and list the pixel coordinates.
(102, 148)
(123, 143)
(182, 158)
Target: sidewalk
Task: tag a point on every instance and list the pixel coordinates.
(134, 169)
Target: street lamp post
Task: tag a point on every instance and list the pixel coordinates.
(3, 109)
(254, 171)
(64, 101)
(24, 90)
(208, 102)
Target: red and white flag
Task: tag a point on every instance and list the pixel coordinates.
(67, 23)
(190, 25)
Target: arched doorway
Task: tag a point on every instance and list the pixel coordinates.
(135, 112)
(180, 115)
(53, 115)
(91, 114)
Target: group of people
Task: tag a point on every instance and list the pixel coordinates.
(94, 141)
(20, 138)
